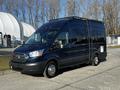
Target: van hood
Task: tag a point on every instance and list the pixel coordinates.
(29, 48)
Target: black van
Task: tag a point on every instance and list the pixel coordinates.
(61, 43)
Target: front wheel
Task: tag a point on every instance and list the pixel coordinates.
(95, 61)
(50, 70)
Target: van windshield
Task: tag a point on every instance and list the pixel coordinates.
(41, 37)
(45, 33)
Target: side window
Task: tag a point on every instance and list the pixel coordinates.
(72, 36)
(78, 33)
(62, 38)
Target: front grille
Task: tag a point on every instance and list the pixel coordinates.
(18, 57)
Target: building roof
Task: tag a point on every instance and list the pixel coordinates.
(9, 25)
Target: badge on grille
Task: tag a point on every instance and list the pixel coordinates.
(18, 57)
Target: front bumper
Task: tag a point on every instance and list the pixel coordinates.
(28, 68)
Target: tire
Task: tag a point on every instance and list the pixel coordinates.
(95, 61)
(50, 70)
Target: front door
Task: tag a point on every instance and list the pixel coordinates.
(65, 52)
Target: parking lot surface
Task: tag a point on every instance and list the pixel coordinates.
(105, 76)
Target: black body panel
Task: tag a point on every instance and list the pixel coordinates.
(79, 40)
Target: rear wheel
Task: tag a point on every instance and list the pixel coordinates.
(50, 70)
(95, 61)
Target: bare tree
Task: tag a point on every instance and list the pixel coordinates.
(9, 5)
(1, 4)
(16, 8)
(94, 10)
(30, 4)
(43, 11)
(22, 6)
(52, 9)
(83, 8)
(111, 16)
(37, 12)
(70, 8)
(76, 7)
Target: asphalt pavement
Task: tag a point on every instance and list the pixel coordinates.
(105, 76)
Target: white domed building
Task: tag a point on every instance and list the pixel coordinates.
(16, 30)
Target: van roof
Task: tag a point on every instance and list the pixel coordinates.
(73, 18)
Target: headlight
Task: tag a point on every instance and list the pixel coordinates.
(36, 53)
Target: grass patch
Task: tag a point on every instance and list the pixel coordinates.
(113, 46)
(4, 62)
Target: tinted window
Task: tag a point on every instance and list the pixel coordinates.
(78, 32)
(63, 38)
(41, 37)
(74, 34)
(97, 31)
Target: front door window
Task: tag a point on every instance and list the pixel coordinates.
(62, 39)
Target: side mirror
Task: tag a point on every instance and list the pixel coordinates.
(22, 42)
(58, 44)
